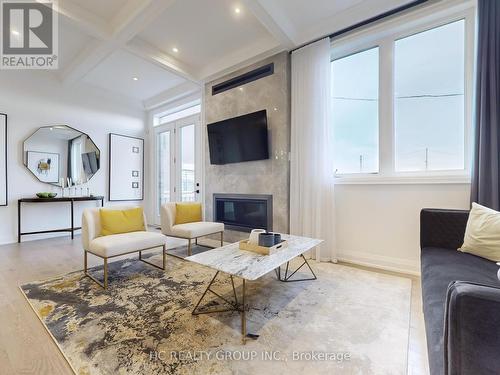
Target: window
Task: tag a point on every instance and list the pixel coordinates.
(402, 100)
(355, 112)
(177, 114)
(429, 100)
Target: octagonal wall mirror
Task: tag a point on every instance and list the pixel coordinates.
(61, 153)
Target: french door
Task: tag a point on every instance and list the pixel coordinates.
(178, 160)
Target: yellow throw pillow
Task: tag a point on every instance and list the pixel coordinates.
(482, 234)
(121, 221)
(187, 212)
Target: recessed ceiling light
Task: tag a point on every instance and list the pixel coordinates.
(240, 88)
(14, 32)
(135, 78)
(237, 10)
(175, 49)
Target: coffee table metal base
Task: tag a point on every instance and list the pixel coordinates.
(287, 276)
(241, 308)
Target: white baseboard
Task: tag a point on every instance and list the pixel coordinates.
(379, 261)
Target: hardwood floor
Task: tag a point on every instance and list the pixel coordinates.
(25, 345)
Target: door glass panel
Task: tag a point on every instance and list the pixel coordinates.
(187, 163)
(164, 193)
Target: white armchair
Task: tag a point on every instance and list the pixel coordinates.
(188, 231)
(114, 245)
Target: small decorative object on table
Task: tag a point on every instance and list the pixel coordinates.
(46, 195)
(254, 236)
(266, 239)
(268, 243)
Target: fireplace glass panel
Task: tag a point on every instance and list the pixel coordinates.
(243, 214)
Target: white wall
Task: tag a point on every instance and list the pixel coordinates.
(32, 99)
(378, 225)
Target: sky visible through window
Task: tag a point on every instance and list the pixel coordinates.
(355, 112)
(428, 99)
(429, 105)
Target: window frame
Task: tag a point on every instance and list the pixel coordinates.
(332, 59)
(384, 36)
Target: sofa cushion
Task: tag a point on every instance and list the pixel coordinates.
(482, 234)
(440, 267)
(187, 212)
(116, 244)
(115, 221)
(198, 229)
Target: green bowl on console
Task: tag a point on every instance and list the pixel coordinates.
(46, 195)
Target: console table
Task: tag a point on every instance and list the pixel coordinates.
(71, 200)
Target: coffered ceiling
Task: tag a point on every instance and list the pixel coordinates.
(149, 49)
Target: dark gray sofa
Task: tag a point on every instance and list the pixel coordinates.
(461, 299)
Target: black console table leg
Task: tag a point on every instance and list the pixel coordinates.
(72, 222)
(18, 222)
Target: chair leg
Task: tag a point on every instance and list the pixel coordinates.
(164, 256)
(196, 241)
(222, 238)
(103, 284)
(105, 273)
(189, 247)
(85, 260)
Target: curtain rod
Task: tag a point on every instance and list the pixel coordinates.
(366, 22)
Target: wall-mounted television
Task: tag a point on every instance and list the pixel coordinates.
(238, 139)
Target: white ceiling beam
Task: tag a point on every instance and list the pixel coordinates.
(88, 58)
(175, 93)
(280, 28)
(129, 22)
(146, 51)
(135, 16)
(84, 20)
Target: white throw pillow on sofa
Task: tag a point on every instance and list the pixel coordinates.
(482, 234)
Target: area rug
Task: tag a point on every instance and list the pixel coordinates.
(182, 251)
(349, 321)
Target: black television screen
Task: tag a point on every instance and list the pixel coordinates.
(90, 163)
(238, 139)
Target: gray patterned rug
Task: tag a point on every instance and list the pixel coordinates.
(182, 251)
(349, 321)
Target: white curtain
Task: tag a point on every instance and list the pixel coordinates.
(311, 190)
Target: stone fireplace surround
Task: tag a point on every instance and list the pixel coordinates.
(271, 176)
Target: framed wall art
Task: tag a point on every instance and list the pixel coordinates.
(44, 165)
(126, 168)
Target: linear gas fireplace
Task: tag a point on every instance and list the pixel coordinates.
(244, 212)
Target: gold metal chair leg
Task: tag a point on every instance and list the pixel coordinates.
(105, 273)
(164, 252)
(164, 261)
(86, 271)
(85, 261)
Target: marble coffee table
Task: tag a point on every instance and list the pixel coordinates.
(250, 266)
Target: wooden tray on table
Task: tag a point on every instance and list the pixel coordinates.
(262, 250)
